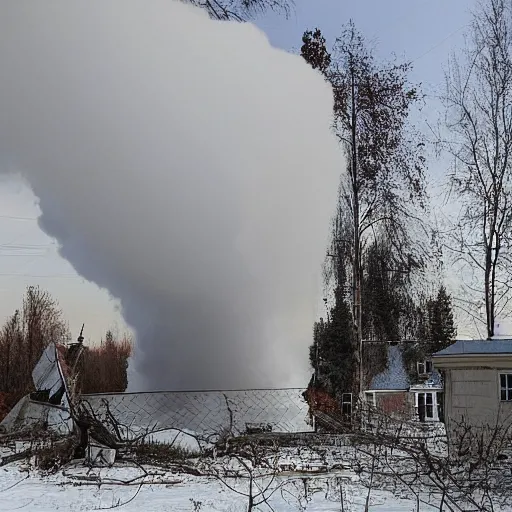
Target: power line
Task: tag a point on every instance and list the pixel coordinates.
(21, 250)
(15, 217)
(22, 254)
(437, 45)
(43, 276)
(25, 247)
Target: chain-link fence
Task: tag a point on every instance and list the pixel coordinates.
(208, 412)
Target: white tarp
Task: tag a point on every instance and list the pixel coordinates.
(27, 414)
(46, 374)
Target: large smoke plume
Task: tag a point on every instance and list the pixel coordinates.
(184, 165)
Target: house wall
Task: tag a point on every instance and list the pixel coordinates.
(472, 396)
(394, 404)
(402, 405)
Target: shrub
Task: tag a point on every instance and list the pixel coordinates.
(103, 369)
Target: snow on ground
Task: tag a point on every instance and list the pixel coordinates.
(75, 489)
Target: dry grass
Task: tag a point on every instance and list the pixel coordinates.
(53, 456)
(103, 368)
(161, 454)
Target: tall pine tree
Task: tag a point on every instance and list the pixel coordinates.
(331, 355)
(441, 328)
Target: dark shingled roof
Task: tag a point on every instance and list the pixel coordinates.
(460, 347)
(395, 376)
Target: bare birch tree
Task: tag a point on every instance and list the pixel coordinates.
(384, 178)
(479, 120)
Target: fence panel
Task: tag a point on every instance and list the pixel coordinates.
(208, 412)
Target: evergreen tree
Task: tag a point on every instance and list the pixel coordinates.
(385, 294)
(441, 327)
(314, 51)
(332, 354)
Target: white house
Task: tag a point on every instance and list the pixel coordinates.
(477, 382)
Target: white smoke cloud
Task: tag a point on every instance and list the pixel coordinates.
(184, 165)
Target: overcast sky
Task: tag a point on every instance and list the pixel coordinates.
(424, 31)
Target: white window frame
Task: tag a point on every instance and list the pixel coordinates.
(435, 416)
(422, 367)
(507, 388)
(344, 401)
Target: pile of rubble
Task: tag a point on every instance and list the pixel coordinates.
(103, 427)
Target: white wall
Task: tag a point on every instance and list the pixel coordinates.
(474, 393)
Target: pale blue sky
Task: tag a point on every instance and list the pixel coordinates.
(423, 31)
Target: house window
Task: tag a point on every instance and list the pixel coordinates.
(506, 387)
(424, 367)
(346, 404)
(426, 404)
(370, 398)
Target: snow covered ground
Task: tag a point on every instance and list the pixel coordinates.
(300, 478)
(76, 489)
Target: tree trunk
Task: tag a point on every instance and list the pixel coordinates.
(356, 271)
(8, 341)
(488, 306)
(250, 505)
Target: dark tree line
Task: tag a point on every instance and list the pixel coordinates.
(103, 368)
(391, 313)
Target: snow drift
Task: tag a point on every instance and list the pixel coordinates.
(184, 165)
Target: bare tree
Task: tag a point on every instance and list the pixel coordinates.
(23, 338)
(103, 368)
(474, 474)
(257, 472)
(250, 466)
(240, 10)
(479, 119)
(11, 350)
(42, 323)
(383, 182)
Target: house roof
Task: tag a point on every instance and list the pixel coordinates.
(460, 347)
(395, 376)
